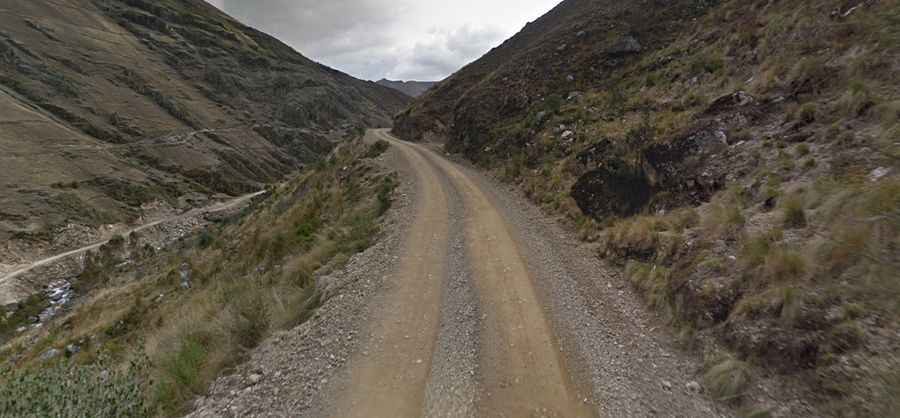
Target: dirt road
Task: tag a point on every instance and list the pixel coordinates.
(519, 363)
(218, 207)
(474, 304)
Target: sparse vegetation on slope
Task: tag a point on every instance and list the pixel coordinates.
(173, 98)
(198, 309)
(738, 159)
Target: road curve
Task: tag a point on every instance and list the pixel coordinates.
(520, 370)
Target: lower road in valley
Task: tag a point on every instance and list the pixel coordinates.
(7, 280)
(475, 304)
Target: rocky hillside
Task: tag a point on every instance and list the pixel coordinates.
(110, 108)
(409, 88)
(739, 160)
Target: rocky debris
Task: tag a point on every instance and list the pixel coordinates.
(730, 103)
(72, 349)
(50, 354)
(58, 293)
(626, 45)
(693, 387)
(184, 274)
(878, 173)
(567, 135)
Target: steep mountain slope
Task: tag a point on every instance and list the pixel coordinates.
(409, 88)
(738, 159)
(110, 108)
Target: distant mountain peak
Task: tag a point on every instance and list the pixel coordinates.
(410, 88)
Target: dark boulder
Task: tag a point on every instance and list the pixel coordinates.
(613, 189)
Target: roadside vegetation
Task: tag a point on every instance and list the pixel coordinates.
(150, 337)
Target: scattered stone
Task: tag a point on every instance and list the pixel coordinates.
(667, 385)
(570, 78)
(184, 272)
(50, 354)
(72, 349)
(626, 45)
(254, 379)
(693, 387)
(581, 34)
(878, 173)
(567, 135)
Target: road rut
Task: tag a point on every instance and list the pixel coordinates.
(521, 370)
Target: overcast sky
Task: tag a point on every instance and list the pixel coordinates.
(396, 39)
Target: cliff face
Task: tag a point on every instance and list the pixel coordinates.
(724, 153)
(111, 105)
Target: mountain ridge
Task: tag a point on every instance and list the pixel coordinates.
(410, 88)
(113, 105)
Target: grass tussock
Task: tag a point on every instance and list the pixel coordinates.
(727, 380)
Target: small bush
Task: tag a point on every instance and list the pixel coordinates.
(846, 336)
(181, 374)
(855, 101)
(205, 240)
(807, 113)
(794, 213)
(728, 380)
(783, 265)
(378, 148)
(802, 150)
(385, 195)
(250, 318)
(725, 219)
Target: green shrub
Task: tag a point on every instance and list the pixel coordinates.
(378, 148)
(385, 195)
(181, 377)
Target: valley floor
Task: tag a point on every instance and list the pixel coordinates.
(474, 304)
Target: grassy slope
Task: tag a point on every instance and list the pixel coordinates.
(96, 98)
(164, 343)
(761, 230)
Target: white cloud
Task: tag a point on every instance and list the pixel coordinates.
(403, 39)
